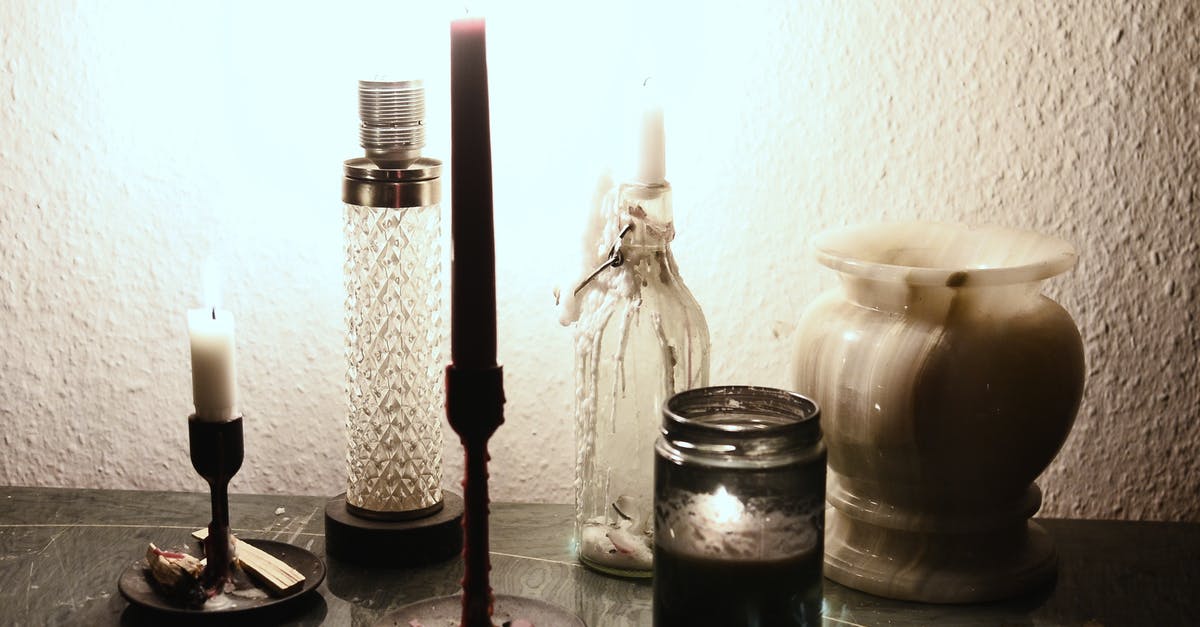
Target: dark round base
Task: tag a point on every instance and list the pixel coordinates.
(448, 611)
(369, 542)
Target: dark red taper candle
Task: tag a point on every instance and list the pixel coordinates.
(473, 262)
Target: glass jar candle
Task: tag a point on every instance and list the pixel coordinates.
(739, 504)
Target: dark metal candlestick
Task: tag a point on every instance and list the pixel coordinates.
(217, 449)
(475, 409)
(474, 381)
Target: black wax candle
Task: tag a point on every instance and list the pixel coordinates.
(739, 505)
(693, 590)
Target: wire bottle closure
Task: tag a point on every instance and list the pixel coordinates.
(615, 259)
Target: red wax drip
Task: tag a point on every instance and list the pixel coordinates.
(219, 567)
(168, 554)
(477, 566)
(475, 409)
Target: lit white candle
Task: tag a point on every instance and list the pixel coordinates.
(652, 166)
(214, 370)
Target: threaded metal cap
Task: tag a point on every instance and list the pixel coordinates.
(393, 120)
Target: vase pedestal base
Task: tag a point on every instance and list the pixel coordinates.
(935, 567)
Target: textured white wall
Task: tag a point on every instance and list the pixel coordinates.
(139, 140)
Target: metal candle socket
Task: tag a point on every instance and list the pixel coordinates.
(217, 450)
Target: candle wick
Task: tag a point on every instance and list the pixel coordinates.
(214, 313)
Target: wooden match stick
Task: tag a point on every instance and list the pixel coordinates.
(276, 574)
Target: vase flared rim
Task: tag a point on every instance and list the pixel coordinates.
(935, 253)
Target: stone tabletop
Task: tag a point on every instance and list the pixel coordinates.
(62, 550)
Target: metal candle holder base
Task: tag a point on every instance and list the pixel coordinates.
(370, 540)
(217, 449)
(475, 409)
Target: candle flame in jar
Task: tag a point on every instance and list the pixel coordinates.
(722, 507)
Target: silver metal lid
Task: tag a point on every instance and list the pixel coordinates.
(368, 185)
(392, 133)
(393, 120)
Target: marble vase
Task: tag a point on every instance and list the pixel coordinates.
(948, 383)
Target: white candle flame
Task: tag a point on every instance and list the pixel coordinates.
(722, 507)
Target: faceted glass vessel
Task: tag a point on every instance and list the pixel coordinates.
(394, 335)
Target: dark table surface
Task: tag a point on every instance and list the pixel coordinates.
(62, 550)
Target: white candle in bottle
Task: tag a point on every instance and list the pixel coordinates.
(652, 166)
(214, 370)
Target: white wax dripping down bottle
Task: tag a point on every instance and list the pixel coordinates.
(640, 337)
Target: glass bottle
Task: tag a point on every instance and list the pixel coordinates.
(394, 326)
(640, 338)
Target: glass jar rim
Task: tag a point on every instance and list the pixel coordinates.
(781, 419)
(943, 254)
